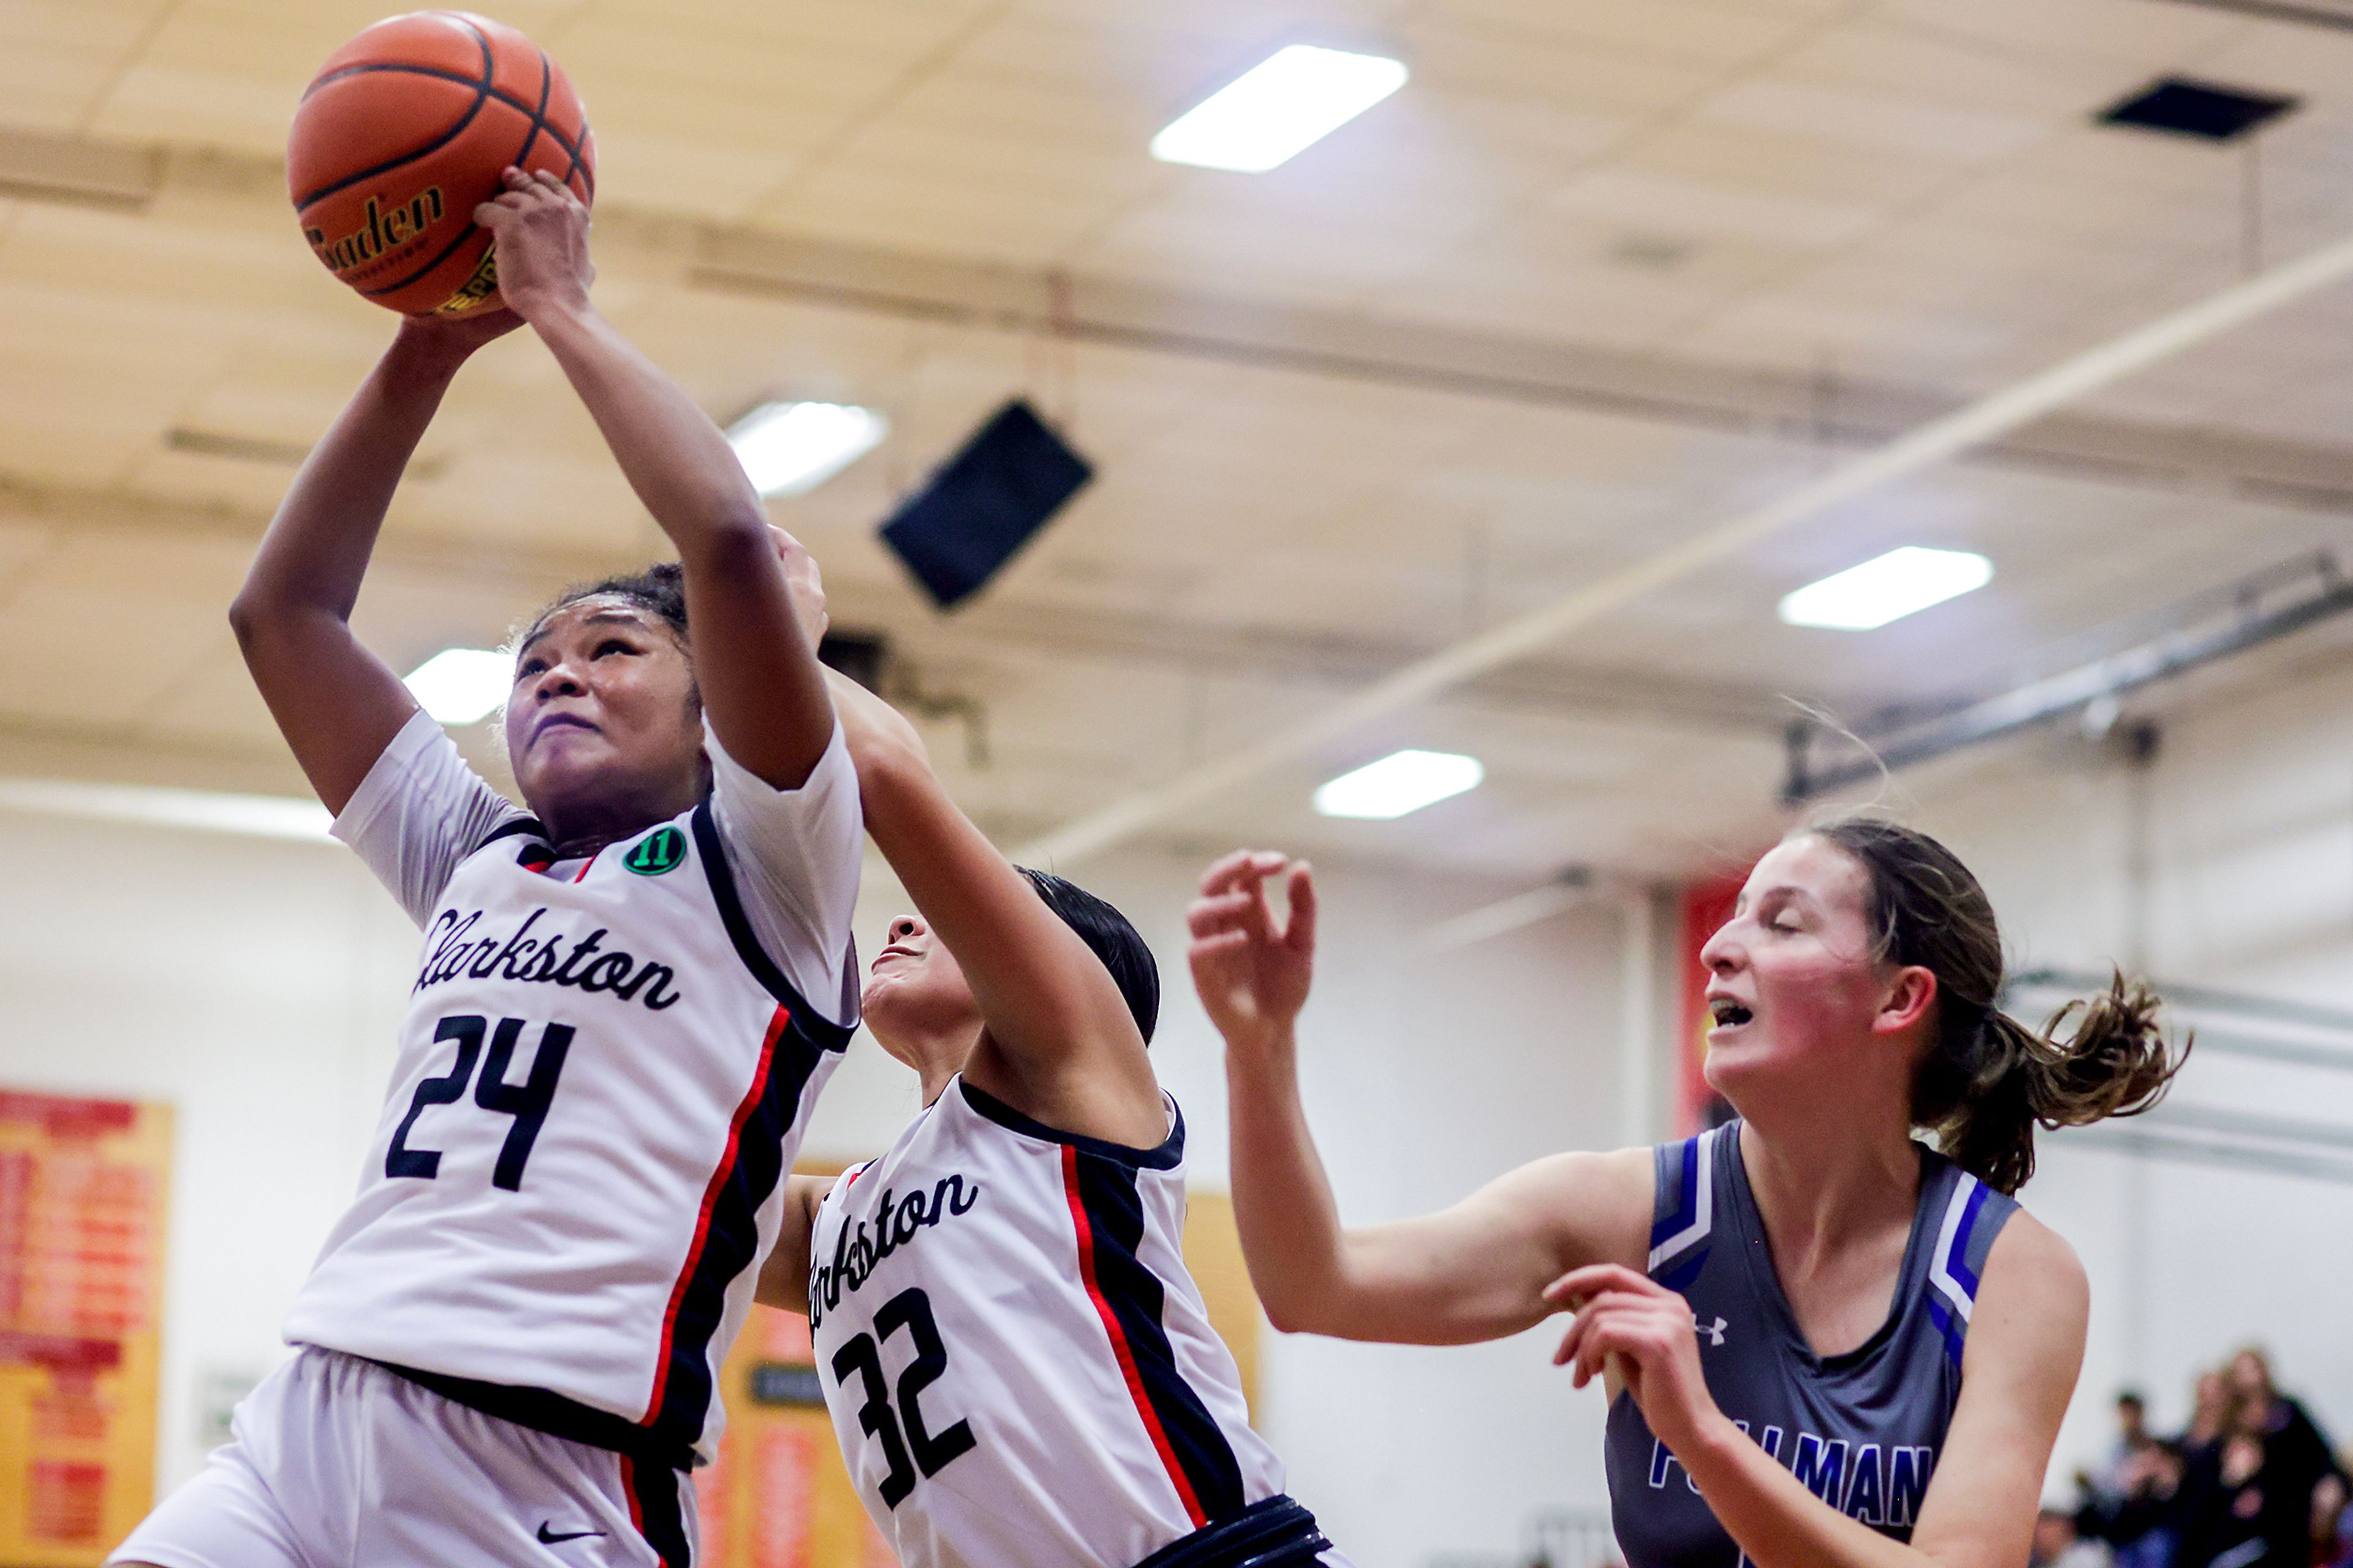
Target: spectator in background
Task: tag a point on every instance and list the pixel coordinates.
(2209, 1412)
(2056, 1546)
(2227, 1514)
(2130, 1502)
(2298, 1463)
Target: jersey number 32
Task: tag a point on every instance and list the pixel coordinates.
(908, 1444)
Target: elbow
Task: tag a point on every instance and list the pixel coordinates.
(248, 618)
(734, 542)
(1286, 1319)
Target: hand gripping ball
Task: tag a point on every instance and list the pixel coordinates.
(404, 133)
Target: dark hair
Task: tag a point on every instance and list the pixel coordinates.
(1108, 934)
(1988, 1080)
(660, 588)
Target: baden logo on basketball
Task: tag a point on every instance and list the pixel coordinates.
(379, 232)
(658, 853)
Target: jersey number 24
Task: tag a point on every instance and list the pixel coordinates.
(526, 1102)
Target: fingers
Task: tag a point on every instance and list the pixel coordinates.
(1217, 944)
(1579, 1285)
(1299, 932)
(1241, 867)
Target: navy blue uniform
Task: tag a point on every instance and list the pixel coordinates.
(1862, 1430)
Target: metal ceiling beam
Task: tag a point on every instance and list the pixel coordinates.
(1939, 440)
(1349, 346)
(2302, 13)
(1914, 739)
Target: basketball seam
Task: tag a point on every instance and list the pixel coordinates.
(538, 123)
(556, 133)
(483, 92)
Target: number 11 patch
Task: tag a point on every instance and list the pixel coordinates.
(656, 853)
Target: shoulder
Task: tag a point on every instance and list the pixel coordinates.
(2034, 1301)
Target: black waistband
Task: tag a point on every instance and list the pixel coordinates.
(1275, 1532)
(554, 1414)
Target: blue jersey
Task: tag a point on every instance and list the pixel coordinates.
(1862, 1429)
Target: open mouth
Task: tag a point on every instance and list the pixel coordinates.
(1727, 1012)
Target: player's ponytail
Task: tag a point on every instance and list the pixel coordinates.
(1988, 1080)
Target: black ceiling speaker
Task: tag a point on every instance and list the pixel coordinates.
(985, 503)
(2205, 109)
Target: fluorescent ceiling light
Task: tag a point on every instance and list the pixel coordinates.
(257, 815)
(1887, 588)
(1287, 102)
(1397, 783)
(791, 448)
(459, 685)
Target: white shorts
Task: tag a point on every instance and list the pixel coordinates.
(335, 1462)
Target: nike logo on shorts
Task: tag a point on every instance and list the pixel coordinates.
(549, 1538)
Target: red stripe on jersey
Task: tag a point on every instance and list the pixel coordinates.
(583, 869)
(629, 1490)
(1119, 1341)
(726, 1168)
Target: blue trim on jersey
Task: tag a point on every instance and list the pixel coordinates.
(827, 1033)
(732, 1241)
(1685, 1209)
(1135, 1295)
(1684, 1226)
(1165, 1157)
(1957, 1263)
(1948, 1324)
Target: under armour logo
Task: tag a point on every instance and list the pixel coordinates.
(1715, 1331)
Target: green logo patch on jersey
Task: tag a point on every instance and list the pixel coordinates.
(656, 853)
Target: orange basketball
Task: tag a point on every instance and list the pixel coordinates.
(403, 134)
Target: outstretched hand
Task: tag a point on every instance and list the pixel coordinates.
(541, 230)
(1252, 976)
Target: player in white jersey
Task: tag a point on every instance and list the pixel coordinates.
(1021, 1370)
(627, 997)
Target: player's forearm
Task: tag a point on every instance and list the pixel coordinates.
(1290, 1224)
(1768, 1512)
(672, 455)
(316, 552)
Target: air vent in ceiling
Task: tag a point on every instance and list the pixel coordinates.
(2205, 109)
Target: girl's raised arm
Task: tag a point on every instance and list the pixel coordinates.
(337, 704)
(756, 661)
(1060, 1043)
(1474, 1271)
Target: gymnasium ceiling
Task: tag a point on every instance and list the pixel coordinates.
(1603, 273)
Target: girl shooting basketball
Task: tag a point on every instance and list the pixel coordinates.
(1828, 1344)
(1021, 1370)
(629, 997)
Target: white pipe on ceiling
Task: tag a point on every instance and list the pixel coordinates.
(1987, 419)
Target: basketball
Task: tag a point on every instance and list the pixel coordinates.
(404, 133)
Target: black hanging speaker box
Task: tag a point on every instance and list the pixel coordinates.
(985, 503)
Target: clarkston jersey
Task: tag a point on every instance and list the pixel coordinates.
(1020, 1368)
(601, 1081)
(1863, 1430)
